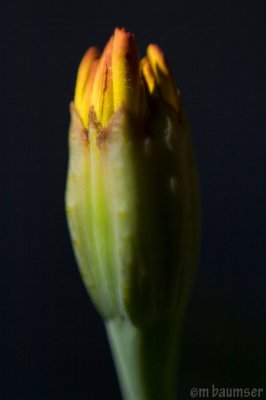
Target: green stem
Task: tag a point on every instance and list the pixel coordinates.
(145, 359)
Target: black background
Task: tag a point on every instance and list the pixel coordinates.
(53, 344)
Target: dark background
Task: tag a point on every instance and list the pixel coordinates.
(53, 344)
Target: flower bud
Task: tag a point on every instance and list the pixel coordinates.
(132, 192)
(132, 196)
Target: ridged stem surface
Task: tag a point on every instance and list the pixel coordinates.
(145, 358)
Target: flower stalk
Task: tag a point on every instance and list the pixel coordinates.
(132, 206)
(145, 358)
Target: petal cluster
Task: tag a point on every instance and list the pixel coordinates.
(118, 77)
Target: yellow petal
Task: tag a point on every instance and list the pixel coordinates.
(83, 74)
(84, 107)
(163, 75)
(125, 71)
(102, 93)
(148, 75)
